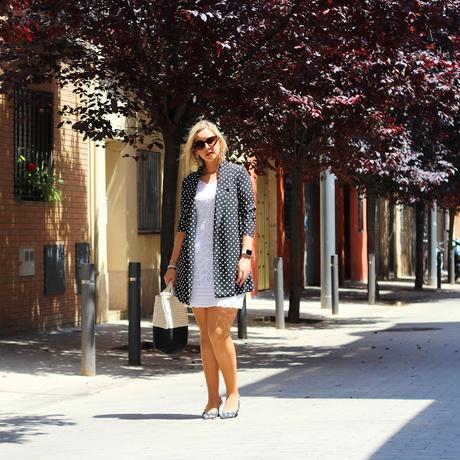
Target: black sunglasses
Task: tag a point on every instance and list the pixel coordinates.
(211, 141)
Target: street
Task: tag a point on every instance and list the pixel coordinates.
(374, 382)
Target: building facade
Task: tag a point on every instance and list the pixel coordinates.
(41, 242)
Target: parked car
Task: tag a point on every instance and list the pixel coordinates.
(440, 249)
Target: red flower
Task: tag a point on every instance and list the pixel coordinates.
(31, 167)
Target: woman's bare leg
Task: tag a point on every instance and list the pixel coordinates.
(219, 323)
(210, 366)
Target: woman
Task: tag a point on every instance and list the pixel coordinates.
(212, 256)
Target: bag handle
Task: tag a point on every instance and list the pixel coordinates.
(169, 289)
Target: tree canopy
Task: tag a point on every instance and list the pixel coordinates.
(163, 64)
(375, 90)
(369, 88)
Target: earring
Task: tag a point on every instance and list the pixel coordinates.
(194, 167)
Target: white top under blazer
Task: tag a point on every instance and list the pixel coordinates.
(203, 280)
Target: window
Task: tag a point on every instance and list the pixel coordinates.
(148, 192)
(33, 136)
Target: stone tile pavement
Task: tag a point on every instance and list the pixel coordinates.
(375, 382)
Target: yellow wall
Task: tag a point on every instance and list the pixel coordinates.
(272, 223)
(123, 242)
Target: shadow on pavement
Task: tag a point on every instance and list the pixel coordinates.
(59, 352)
(408, 361)
(390, 293)
(404, 351)
(150, 416)
(15, 428)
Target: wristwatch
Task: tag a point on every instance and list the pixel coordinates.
(246, 253)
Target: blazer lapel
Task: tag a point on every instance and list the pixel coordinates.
(222, 186)
(193, 186)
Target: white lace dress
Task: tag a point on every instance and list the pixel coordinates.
(203, 282)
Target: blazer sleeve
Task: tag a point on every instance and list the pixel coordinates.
(246, 203)
(184, 207)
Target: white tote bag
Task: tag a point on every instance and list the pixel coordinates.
(170, 322)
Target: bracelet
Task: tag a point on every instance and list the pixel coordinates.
(173, 266)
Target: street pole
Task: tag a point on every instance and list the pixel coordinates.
(88, 320)
(327, 231)
(371, 273)
(335, 283)
(432, 246)
(438, 270)
(279, 294)
(452, 266)
(451, 247)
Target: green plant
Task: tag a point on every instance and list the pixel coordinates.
(39, 178)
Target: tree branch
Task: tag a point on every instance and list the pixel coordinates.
(267, 38)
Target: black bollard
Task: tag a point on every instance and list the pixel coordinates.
(242, 321)
(88, 320)
(335, 283)
(134, 313)
(438, 266)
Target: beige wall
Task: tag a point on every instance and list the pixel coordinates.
(124, 244)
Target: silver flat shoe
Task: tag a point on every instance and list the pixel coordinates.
(229, 413)
(211, 414)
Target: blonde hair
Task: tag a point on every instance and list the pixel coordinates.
(192, 161)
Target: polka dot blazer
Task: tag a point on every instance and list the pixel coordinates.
(234, 216)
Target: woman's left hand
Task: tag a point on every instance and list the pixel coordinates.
(243, 270)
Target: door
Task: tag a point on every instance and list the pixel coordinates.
(263, 256)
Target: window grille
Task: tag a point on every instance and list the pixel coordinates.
(33, 136)
(148, 192)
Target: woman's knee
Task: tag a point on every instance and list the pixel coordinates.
(217, 334)
(205, 340)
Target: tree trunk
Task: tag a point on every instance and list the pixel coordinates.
(419, 233)
(172, 138)
(372, 286)
(295, 288)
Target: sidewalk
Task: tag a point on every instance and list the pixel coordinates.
(374, 382)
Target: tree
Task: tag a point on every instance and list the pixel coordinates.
(369, 84)
(306, 85)
(162, 64)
